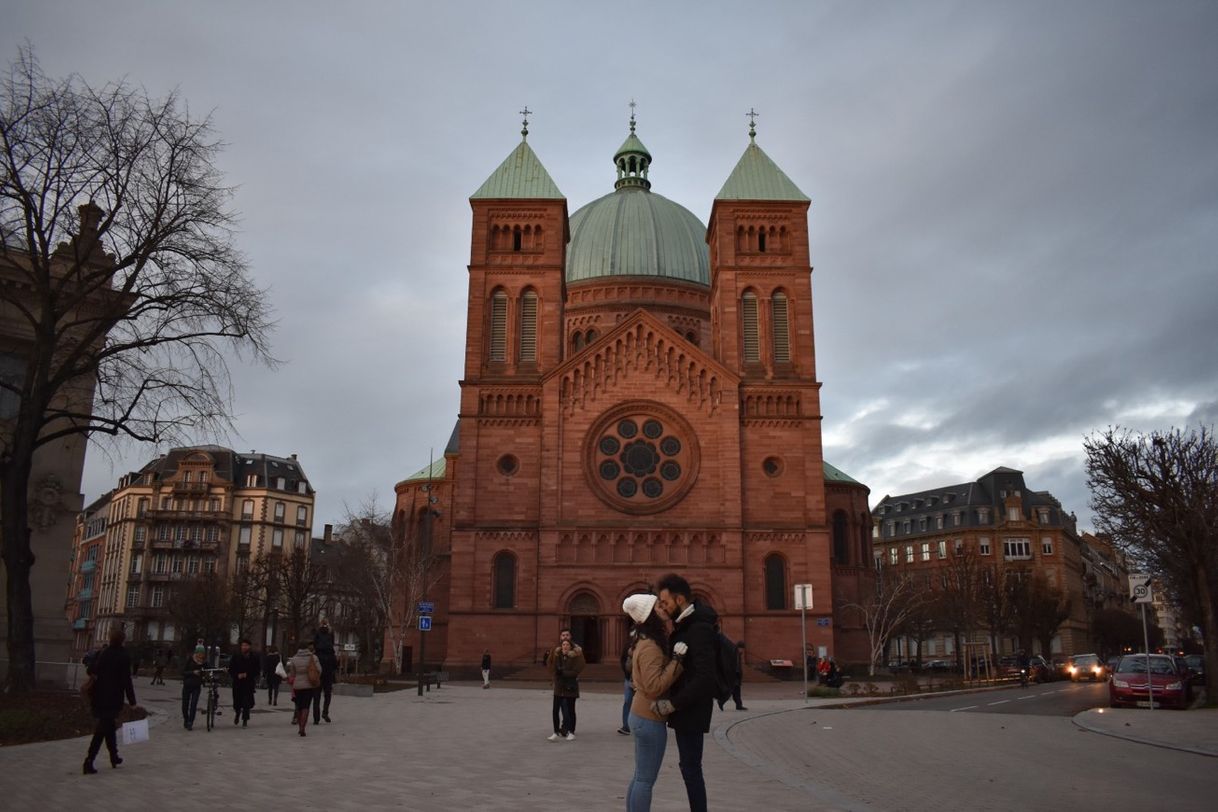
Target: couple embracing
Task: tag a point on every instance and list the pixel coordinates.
(674, 684)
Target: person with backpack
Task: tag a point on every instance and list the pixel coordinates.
(652, 672)
(690, 703)
(732, 654)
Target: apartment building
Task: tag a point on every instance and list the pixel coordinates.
(193, 511)
(1003, 526)
(84, 575)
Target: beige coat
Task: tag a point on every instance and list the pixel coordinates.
(299, 665)
(652, 674)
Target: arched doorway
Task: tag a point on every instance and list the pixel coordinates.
(583, 616)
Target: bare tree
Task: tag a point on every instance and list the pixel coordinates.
(118, 265)
(958, 603)
(1157, 496)
(1039, 608)
(299, 584)
(200, 610)
(248, 598)
(895, 598)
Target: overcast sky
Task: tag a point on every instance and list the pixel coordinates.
(1014, 216)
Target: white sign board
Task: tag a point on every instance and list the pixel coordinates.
(1139, 588)
(803, 596)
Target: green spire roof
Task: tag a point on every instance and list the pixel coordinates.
(521, 175)
(756, 177)
(433, 471)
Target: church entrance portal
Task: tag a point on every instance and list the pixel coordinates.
(585, 622)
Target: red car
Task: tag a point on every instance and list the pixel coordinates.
(1130, 685)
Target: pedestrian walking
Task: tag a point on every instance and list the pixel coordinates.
(738, 677)
(192, 685)
(565, 663)
(111, 675)
(486, 668)
(652, 673)
(323, 648)
(690, 702)
(274, 672)
(626, 662)
(158, 667)
(243, 671)
(305, 670)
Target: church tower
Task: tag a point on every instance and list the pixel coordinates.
(761, 324)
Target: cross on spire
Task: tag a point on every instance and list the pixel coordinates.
(632, 106)
(524, 130)
(752, 116)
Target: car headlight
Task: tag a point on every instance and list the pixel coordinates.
(1120, 683)
(1071, 669)
(1175, 686)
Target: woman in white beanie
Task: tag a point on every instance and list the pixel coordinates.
(652, 673)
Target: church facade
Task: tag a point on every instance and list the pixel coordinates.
(639, 396)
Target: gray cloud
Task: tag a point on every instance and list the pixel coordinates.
(1013, 214)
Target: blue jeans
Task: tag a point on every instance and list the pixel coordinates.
(689, 748)
(650, 739)
(190, 704)
(627, 698)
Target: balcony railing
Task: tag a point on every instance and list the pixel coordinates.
(191, 487)
(80, 624)
(87, 567)
(170, 514)
(165, 576)
(85, 594)
(185, 544)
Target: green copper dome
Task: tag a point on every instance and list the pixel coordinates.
(635, 232)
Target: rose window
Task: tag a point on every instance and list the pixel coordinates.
(640, 461)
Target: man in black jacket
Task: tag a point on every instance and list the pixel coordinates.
(243, 669)
(690, 702)
(323, 647)
(111, 672)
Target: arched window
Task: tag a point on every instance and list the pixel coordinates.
(577, 340)
(782, 330)
(591, 336)
(841, 542)
(775, 582)
(504, 587)
(748, 324)
(499, 303)
(528, 326)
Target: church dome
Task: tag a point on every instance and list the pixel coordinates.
(634, 232)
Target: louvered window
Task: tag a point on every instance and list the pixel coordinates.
(528, 327)
(782, 338)
(748, 322)
(499, 326)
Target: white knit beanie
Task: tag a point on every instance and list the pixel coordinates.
(639, 607)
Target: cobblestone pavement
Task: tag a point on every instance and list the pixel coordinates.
(466, 748)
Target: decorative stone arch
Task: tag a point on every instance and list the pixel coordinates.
(582, 609)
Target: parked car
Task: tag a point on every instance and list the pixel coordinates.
(937, 665)
(1039, 669)
(1008, 666)
(1131, 685)
(1111, 662)
(1061, 666)
(1196, 665)
(1087, 666)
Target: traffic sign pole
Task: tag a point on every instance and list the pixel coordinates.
(1140, 592)
(803, 600)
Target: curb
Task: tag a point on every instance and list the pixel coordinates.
(1082, 725)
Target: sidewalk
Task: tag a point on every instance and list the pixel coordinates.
(468, 748)
(1191, 731)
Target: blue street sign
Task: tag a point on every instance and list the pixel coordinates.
(823, 621)
(424, 623)
(426, 607)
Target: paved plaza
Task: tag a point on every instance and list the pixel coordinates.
(462, 747)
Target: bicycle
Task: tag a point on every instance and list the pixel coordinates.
(211, 681)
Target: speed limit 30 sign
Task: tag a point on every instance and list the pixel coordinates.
(1139, 588)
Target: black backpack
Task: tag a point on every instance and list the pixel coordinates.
(725, 667)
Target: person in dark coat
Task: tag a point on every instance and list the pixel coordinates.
(243, 669)
(691, 700)
(270, 669)
(111, 670)
(323, 647)
(192, 685)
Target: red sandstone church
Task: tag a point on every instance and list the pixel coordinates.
(640, 396)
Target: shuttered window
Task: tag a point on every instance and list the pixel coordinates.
(499, 326)
(748, 323)
(782, 333)
(528, 327)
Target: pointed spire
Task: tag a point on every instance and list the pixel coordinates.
(756, 176)
(521, 175)
(632, 159)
